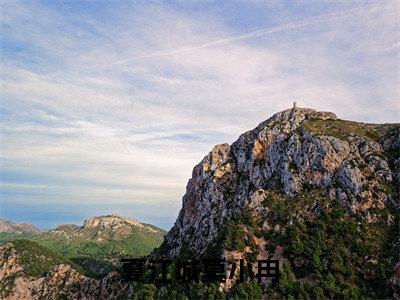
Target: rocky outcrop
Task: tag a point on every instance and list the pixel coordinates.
(282, 154)
(104, 228)
(64, 281)
(31, 271)
(61, 281)
(114, 221)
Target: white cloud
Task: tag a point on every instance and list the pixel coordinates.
(133, 131)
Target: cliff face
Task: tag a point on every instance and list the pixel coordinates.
(293, 151)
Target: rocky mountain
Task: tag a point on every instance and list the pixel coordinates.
(7, 226)
(99, 243)
(293, 151)
(30, 271)
(316, 193)
(105, 228)
(301, 172)
(74, 262)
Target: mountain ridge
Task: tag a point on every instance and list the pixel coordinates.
(281, 153)
(8, 226)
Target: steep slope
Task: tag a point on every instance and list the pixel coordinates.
(297, 187)
(72, 261)
(30, 271)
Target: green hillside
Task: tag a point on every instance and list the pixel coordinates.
(138, 244)
(35, 260)
(343, 129)
(330, 254)
(97, 250)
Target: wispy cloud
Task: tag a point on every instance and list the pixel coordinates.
(291, 25)
(78, 133)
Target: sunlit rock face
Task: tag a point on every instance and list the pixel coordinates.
(115, 222)
(294, 150)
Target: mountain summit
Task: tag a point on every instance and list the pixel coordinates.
(293, 151)
(115, 222)
(318, 193)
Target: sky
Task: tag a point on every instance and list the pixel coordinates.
(107, 106)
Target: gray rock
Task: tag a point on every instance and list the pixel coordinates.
(280, 154)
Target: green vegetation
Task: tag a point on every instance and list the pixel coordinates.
(282, 208)
(138, 244)
(195, 290)
(343, 129)
(341, 254)
(96, 258)
(176, 291)
(7, 237)
(391, 156)
(35, 261)
(38, 260)
(329, 253)
(235, 235)
(247, 290)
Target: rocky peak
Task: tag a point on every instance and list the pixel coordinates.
(104, 229)
(67, 227)
(294, 150)
(113, 221)
(295, 116)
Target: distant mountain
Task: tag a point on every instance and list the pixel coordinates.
(99, 243)
(72, 261)
(317, 193)
(7, 226)
(105, 228)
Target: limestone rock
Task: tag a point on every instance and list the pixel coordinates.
(282, 154)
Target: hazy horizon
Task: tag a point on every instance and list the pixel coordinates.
(108, 105)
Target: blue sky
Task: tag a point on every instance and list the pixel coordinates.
(107, 105)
